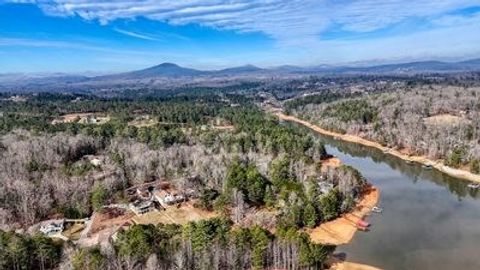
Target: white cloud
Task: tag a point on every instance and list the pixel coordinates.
(38, 43)
(457, 20)
(59, 44)
(368, 15)
(448, 43)
(297, 23)
(156, 36)
(281, 19)
(136, 35)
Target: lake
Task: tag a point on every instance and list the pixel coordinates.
(429, 220)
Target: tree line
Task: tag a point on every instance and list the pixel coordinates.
(437, 121)
(261, 163)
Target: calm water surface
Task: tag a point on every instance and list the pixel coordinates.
(430, 220)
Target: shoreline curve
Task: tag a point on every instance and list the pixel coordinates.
(457, 173)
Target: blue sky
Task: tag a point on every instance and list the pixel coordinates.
(111, 36)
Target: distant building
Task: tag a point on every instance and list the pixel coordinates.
(18, 98)
(191, 194)
(144, 193)
(94, 159)
(166, 198)
(52, 227)
(142, 207)
(96, 162)
(325, 187)
(89, 119)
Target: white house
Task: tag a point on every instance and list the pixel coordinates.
(166, 198)
(52, 227)
(142, 207)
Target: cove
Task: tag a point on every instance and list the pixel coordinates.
(429, 221)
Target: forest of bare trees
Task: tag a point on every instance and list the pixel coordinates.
(440, 122)
(210, 244)
(46, 171)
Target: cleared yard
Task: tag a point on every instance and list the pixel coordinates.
(100, 118)
(445, 120)
(174, 214)
(74, 231)
(143, 122)
(109, 219)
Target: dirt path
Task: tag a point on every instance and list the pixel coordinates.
(458, 173)
(341, 230)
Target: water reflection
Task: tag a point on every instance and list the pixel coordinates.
(413, 171)
(430, 220)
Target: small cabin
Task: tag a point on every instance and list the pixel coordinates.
(52, 227)
(166, 198)
(142, 207)
(325, 187)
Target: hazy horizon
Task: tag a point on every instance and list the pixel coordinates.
(106, 37)
(373, 63)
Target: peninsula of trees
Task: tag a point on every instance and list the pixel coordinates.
(440, 122)
(85, 160)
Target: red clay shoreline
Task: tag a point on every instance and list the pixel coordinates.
(457, 173)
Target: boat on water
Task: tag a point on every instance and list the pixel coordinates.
(427, 166)
(376, 209)
(363, 223)
(474, 186)
(409, 161)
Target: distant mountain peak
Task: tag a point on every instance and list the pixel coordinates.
(240, 69)
(173, 70)
(165, 69)
(249, 66)
(166, 65)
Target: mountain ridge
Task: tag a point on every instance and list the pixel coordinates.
(171, 69)
(168, 70)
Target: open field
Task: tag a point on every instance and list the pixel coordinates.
(174, 215)
(100, 118)
(445, 120)
(105, 220)
(143, 122)
(74, 232)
